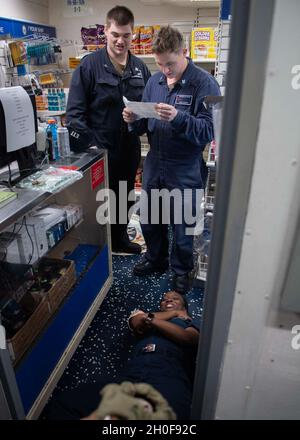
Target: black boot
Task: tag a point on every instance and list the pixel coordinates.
(182, 283)
(147, 268)
(126, 247)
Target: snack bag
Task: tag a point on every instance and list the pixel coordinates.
(89, 36)
(156, 29)
(101, 35)
(135, 45)
(146, 38)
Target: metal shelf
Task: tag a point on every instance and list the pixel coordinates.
(43, 113)
(196, 60)
(144, 56)
(204, 60)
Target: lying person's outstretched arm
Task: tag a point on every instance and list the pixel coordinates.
(136, 321)
(188, 336)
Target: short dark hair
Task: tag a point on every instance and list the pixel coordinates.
(168, 39)
(121, 15)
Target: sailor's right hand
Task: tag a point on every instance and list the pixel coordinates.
(129, 116)
(137, 323)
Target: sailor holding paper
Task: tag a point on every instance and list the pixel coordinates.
(177, 136)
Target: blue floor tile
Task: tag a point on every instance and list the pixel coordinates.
(107, 343)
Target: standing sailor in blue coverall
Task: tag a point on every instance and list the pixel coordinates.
(95, 104)
(176, 143)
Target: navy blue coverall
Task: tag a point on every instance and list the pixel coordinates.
(175, 158)
(169, 369)
(94, 110)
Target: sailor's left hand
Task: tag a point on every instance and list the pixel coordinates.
(166, 112)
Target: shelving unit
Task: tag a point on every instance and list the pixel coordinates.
(196, 60)
(46, 113)
(204, 61)
(209, 197)
(30, 382)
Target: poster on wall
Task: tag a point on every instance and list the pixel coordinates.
(77, 8)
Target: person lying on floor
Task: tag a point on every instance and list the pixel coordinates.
(163, 357)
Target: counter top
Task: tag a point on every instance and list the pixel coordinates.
(81, 161)
(27, 199)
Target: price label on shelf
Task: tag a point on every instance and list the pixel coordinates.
(77, 8)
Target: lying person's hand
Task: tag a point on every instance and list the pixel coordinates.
(136, 322)
(166, 112)
(129, 116)
(184, 316)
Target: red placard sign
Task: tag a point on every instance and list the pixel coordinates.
(97, 173)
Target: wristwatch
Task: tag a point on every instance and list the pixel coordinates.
(150, 317)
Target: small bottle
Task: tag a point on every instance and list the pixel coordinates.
(62, 96)
(63, 141)
(52, 128)
(49, 97)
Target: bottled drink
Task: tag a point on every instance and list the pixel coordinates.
(62, 100)
(63, 141)
(52, 130)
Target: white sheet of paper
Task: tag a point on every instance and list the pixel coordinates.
(142, 109)
(19, 117)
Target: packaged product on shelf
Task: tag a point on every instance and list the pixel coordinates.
(18, 52)
(41, 102)
(156, 29)
(100, 34)
(47, 78)
(74, 214)
(146, 39)
(93, 37)
(41, 53)
(204, 43)
(135, 45)
(89, 36)
(58, 55)
(74, 62)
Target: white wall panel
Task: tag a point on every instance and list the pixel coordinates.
(31, 10)
(144, 14)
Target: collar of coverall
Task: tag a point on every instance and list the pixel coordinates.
(128, 72)
(186, 77)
